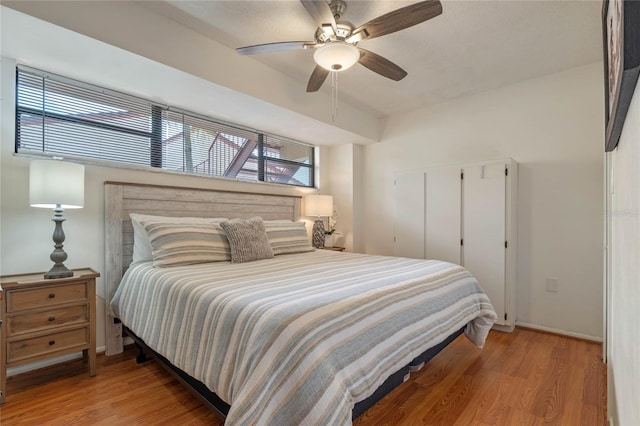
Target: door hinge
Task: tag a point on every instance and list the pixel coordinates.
(461, 175)
(461, 241)
(506, 172)
(506, 244)
(505, 316)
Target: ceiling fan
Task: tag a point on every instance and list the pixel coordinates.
(336, 41)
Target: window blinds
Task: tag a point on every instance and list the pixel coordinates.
(60, 116)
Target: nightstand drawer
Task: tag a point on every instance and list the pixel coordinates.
(20, 324)
(37, 346)
(18, 300)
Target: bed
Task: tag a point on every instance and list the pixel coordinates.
(313, 337)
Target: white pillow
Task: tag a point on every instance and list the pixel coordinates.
(141, 243)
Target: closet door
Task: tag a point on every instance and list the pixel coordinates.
(409, 217)
(442, 221)
(484, 230)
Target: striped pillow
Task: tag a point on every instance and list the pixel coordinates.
(287, 237)
(142, 245)
(175, 244)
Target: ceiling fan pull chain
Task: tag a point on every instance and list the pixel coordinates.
(334, 96)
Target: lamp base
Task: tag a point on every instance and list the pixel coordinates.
(58, 271)
(317, 235)
(58, 256)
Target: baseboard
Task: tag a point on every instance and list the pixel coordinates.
(560, 332)
(504, 328)
(13, 371)
(612, 402)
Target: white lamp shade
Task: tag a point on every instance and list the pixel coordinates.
(53, 182)
(318, 205)
(336, 56)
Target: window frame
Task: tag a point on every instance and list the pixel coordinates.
(157, 119)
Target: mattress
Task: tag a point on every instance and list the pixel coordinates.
(300, 338)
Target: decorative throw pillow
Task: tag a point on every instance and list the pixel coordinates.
(142, 245)
(175, 244)
(287, 237)
(248, 239)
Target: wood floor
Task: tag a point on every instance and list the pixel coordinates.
(522, 378)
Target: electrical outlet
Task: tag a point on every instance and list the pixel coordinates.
(552, 284)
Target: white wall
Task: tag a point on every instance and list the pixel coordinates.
(624, 273)
(339, 178)
(341, 187)
(359, 192)
(553, 126)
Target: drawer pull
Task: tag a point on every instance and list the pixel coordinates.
(52, 342)
(52, 295)
(51, 319)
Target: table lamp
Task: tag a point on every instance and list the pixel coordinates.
(56, 185)
(318, 206)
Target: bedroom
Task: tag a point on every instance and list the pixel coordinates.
(558, 145)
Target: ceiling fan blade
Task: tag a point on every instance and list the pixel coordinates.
(380, 65)
(318, 76)
(397, 20)
(275, 47)
(320, 12)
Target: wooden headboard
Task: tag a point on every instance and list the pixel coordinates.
(124, 198)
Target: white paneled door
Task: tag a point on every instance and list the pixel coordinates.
(409, 216)
(464, 214)
(443, 215)
(483, 230)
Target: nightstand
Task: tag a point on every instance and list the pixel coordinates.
(333, 248)
(45, 318)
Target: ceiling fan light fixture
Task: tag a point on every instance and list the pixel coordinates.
(336, 56)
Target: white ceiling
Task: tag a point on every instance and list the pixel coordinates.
(473, 46)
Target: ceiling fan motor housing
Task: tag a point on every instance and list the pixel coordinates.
(343, 30)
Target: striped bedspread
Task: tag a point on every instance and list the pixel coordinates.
(300, 338)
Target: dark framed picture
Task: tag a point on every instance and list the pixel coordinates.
(621, 40)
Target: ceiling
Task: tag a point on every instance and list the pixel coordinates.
(474, 46)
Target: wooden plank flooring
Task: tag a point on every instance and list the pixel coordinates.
(522, 378)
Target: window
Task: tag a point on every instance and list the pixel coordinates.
(61, 116)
